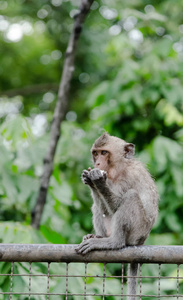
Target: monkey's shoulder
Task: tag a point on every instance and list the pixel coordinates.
(136, 176)
(136, 169)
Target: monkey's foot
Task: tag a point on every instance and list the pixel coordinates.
(91, 236)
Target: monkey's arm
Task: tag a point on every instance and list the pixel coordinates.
(96, 179)
(95, 193)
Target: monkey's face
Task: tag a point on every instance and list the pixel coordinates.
(101, 159)
(110, 152)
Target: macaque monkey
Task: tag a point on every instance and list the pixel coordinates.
(125, 200)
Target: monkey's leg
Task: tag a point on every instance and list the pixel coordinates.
(126, 227)
(98, 221)
(115, 241)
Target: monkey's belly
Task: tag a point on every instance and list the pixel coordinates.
(107, 225)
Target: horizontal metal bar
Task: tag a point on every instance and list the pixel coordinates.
(88, 294)
(67, 253)
(91, 276)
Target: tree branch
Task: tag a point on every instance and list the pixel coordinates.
(60, 111)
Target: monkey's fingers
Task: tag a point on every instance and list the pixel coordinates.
(84, 247)
(85, 172)
(91, 236)
(88, 236)
(104, 175)
(84, 175)
(86, 180)
(78, 248)
(96, 174)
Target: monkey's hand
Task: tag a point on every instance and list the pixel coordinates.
(104, 243)
(94, 177)
(86, 178)
(87, 246)
(97, 176)
(95, 243)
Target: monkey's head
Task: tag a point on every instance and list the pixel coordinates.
(108, 151)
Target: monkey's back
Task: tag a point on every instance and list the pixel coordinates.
(140, 180)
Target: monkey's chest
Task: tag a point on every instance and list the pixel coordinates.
(107, 224)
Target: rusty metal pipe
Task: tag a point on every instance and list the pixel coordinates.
(67, 253)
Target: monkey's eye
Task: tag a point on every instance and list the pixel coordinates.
(104, 152)
(95, 153)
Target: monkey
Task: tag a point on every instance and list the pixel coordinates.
(125, 200)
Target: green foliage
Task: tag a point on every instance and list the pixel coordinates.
(128, 81)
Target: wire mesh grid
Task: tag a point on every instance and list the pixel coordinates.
(87, 281)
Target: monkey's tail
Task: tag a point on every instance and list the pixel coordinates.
(132, 281)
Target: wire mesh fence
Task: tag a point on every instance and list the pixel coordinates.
(58, 272)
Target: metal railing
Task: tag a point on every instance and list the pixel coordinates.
(57, 272)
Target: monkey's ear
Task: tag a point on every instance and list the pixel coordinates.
(129, 150)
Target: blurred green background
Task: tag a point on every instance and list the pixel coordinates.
(128, 80)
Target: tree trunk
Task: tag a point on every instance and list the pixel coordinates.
(60, 111)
